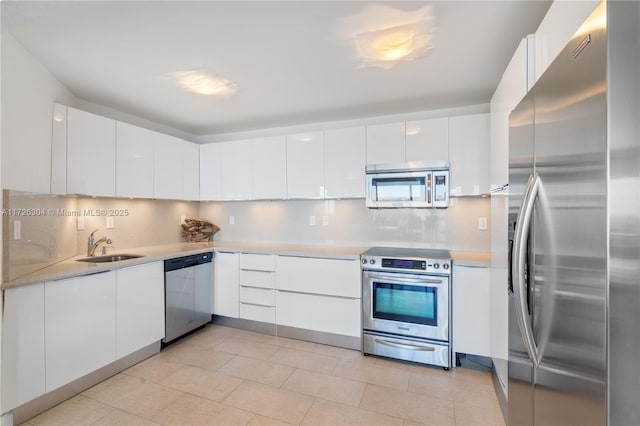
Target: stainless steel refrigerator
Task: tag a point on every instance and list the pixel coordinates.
(574, 231)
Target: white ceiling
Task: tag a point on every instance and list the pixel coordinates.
(292, 61)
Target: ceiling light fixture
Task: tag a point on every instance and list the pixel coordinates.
(204, 82)
(393, 44)
(383, 35)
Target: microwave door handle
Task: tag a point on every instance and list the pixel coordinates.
(405, 280)
(523, 223)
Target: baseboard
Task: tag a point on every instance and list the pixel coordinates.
(55, 397)
(348, 342)
(500, 391)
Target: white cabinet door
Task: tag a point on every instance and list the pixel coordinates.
(471, 310)
(469, 154)
(556, 29)
(134, 161)
(335, 277)
(512, 88)
(190, 171)
(305, 165)
(386, 143)
(226, 286)
(167, 167)
(80, 334)
(236, 170)
(428, 140)
(319, 313)
(139, 307)
(345, 153)
(211, 172)
(269, 157)
(91, 154)
(23, 364)
(58, 151)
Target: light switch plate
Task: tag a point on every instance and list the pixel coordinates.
(482, 223)
(109, 222)
(312, 221)
(325, 220)
(232, 220)
(80, 223)
(183, 219)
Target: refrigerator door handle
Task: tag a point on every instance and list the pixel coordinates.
(523, 223)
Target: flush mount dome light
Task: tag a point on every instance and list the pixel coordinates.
(384, 36)
(204, 82)
(393, 44)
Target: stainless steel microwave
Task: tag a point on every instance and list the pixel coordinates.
(414, 184)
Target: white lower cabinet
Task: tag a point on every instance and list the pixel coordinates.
(257, 287)
(337, 315)
(226, 291)
(23, 363)
(140, 307)
(471, 310)
(319, 294)
(80, 333)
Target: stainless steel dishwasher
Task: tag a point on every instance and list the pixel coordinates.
(188, 285)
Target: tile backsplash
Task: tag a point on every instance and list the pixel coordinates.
(349, 222)
(48, 225)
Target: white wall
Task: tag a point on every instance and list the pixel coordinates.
(28, 93)
(352, 224)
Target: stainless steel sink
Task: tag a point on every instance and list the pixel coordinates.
(109, 258)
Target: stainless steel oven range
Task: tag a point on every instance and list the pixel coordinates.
(405, 304)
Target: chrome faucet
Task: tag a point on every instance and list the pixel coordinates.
(92, 245)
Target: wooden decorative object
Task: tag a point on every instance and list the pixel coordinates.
(198, 230)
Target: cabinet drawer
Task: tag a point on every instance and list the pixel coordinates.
(258, 313)
(258, 296)
(258, 279)
(335, 277)
(258, 262)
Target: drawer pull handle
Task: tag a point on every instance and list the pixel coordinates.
(405, 346)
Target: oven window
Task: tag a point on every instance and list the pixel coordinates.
(405, 303)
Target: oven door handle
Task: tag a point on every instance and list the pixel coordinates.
(405, 346)
(404, 280)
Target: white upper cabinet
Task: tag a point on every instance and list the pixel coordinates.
(556, 29)
(190, 171)
(344, 162)
(91, 154)
(427, 140)
(511, 89)
(236, 170)
(134, 161)
(211, 172)
(269, 156)
(305, 165)
(59, 150)
(469, 154)
(167, 173)
(386, 143)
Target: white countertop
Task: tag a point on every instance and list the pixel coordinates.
(72, 268)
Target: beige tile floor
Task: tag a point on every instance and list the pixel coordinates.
(226, 376)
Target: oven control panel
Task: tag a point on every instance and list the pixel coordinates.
(414, 265)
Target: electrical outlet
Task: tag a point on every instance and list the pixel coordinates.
(79, 223)
(183, 219)
(312, 221)
(17, 229)
(232, 220)
(325, 220)
(482, 223)
(109, 222)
